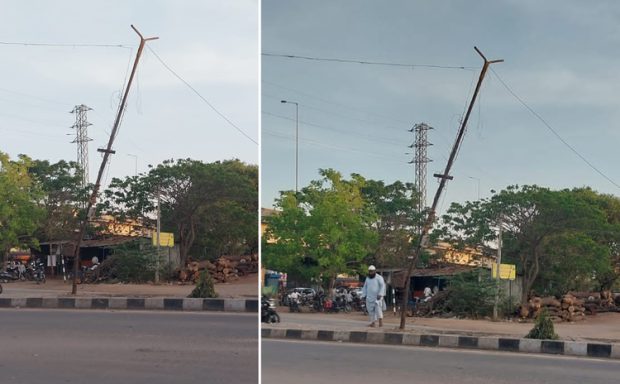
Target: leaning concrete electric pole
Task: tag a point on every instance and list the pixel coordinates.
(423, 239)
(90, 205)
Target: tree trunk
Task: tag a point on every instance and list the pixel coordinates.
(187, 235)
(332, 284)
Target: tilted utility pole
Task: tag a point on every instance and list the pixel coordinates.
(423, 239)
(90, 205)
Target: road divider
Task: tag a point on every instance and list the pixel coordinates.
(133, 303)
(555, 347)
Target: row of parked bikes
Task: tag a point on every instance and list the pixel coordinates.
(344, 300)
(33, 271)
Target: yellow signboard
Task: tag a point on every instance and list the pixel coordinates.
(166, 239)
(506, 271)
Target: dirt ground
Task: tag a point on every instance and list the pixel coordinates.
(601, 327)
(245, 287)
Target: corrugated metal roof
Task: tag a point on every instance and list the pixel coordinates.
(106, 242)
(445, 270)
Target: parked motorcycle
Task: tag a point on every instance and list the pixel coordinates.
(7, 276)
(89, 274)
(342, 303)
(39, 272)
(268, 312)
(294, 302)
(13, 271)
(319, 302)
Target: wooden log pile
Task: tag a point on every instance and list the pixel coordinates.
(567, 308)
(573, 306)
(223, 270)
(597, 302)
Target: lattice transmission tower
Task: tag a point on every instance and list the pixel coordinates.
(82, 139)
(420, 160)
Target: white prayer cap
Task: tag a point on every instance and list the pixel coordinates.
(372, 268)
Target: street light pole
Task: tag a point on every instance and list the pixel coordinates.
(478, 180)
(296, 143)
(158, 233)
(497, 269)
(135, 157)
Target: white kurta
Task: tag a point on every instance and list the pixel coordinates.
(372, 289)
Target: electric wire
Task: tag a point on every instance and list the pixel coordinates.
(201, 97)
(364, 62)
(323, 145)
(69, 45)
(371, 138)
(555, 133)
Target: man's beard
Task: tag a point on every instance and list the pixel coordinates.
(372, 276)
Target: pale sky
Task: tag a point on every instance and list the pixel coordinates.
(561, 57)
(212, 44)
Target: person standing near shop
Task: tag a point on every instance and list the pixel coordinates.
(374, 292)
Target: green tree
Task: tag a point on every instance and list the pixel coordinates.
(532, 218)
(19, 213)
(197, 201)
(397, 218)
(61, 198)
(283, 245)
(323, 231)
(609, 237)
(574, 261)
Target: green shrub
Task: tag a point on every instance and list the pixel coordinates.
(131, 263)
(508, 307)
(543, 328)
(205, 287)
(471, 294)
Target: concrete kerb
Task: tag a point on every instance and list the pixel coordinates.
(156, 303)
(557, 347)
(133, 303)
(234, 305)
(575, 348)
(193, 304)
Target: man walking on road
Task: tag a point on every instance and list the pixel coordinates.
(374, 291)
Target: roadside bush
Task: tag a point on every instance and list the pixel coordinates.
(508, 307)
(269, 291)
(471, 294)
(204, 288)
(543, 328)
(130, 263)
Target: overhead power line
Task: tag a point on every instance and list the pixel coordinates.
(70, 45)
(365, 62)
(372, 138)
(201, 97)
(555, 133)
(329, 146)
(336, 103)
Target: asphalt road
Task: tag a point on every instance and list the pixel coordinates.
(130, 347)
(312, 362)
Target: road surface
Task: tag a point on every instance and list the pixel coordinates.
(313, 362)
(95, 347)
(603, 327)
